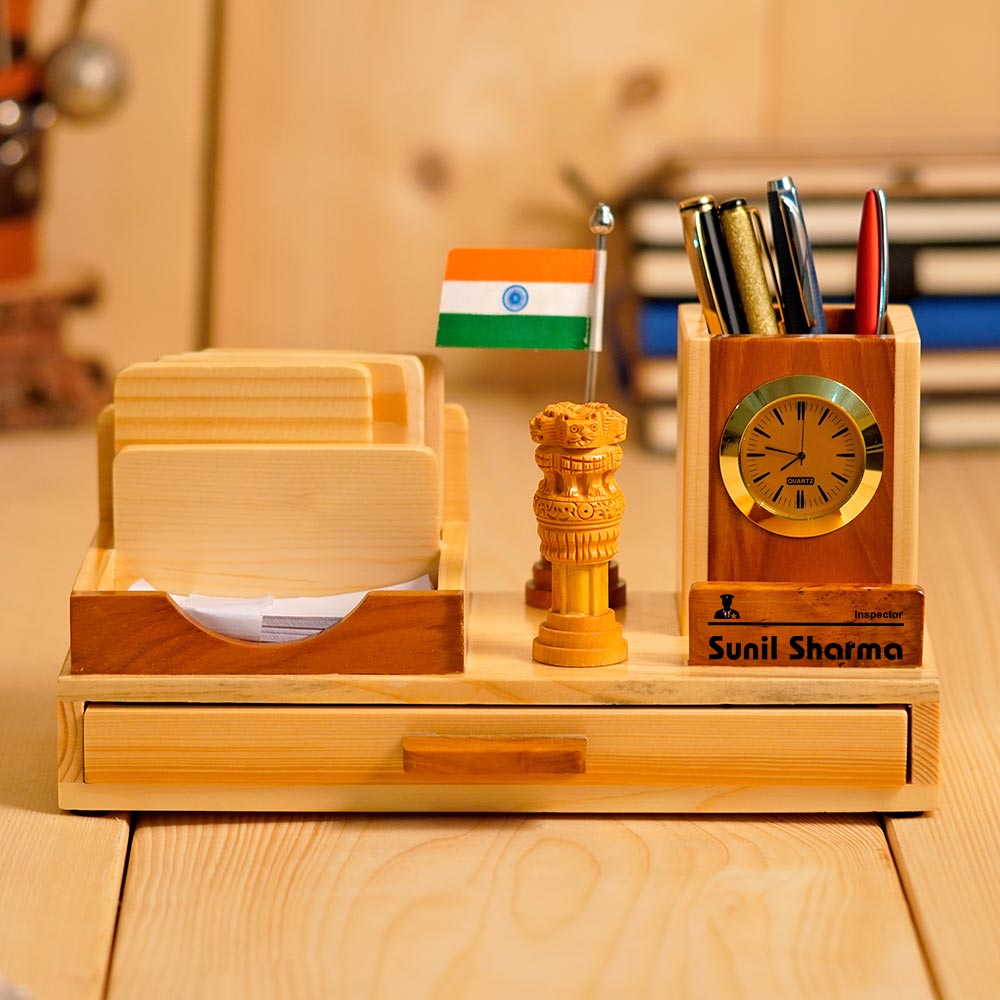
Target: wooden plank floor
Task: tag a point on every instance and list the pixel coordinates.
(390, 906)
(60, 875)
(396, 906)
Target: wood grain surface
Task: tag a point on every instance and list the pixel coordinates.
(60, 875)
(284, 520)
(116, 632)
(399, 402)
(219, 401)
(490, 907)
(948, 860)
(308, 745)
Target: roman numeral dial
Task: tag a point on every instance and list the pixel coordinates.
(801, 462)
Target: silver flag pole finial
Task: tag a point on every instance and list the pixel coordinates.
(602, 220)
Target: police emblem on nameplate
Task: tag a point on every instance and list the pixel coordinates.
(792, 625)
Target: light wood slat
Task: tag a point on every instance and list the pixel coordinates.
(676, 800)
(168, 402)
(948, 860)
(304, 745)
(398, 383)
(456, 465)
(60, 874)
(286, 520)
(436, 422)
(105, 463)
(508, 906)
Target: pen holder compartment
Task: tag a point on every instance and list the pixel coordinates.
(719, 541)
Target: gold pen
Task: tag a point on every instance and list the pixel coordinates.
(744, 233)
(691, 209)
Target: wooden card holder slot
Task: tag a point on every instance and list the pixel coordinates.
(145, 632)
(136, 633)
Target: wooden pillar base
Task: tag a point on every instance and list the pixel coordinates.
(580, 641)
(538, 590)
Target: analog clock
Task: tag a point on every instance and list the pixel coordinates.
(801, 455)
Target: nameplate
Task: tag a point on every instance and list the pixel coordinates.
(795, 625)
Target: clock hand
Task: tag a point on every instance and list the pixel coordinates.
(767, 447)
(802, 443)
(797, 458)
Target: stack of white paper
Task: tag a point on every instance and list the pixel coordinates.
(273, 619)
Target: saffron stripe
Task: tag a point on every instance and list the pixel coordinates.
(520, 264)
(550, 333)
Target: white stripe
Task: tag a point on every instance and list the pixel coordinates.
(597, 323)
(545, 298)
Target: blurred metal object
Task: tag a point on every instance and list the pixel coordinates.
(85, 78)
(602, 221)
(44, 116)
(10, 115)
(21, 147)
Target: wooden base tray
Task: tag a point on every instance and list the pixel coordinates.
(139, 633)
(650, 735)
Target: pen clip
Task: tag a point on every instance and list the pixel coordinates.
(788, 206)
(765, 253)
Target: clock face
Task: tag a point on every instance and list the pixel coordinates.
(801, 455)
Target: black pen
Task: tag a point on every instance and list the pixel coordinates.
(711, 265)
(801, 301)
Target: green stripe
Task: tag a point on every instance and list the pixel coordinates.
(551, 333)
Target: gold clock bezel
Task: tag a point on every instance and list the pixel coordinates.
(816, 387)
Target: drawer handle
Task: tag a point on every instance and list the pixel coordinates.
(494, 756)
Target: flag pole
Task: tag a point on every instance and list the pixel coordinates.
(602, 221)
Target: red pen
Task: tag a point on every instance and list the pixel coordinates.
(873, 274)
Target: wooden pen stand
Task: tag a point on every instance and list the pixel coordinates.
(720, 542)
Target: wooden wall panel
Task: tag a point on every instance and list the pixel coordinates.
(360, 141)
(126, 195)
(893, 70)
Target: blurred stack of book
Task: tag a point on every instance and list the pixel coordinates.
(944, 261)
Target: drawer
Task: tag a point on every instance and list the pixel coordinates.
(233, 745)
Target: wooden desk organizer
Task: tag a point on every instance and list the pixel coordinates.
(304, 732)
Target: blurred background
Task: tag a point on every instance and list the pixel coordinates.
(295, 173)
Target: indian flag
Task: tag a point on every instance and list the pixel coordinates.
(522, 298)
